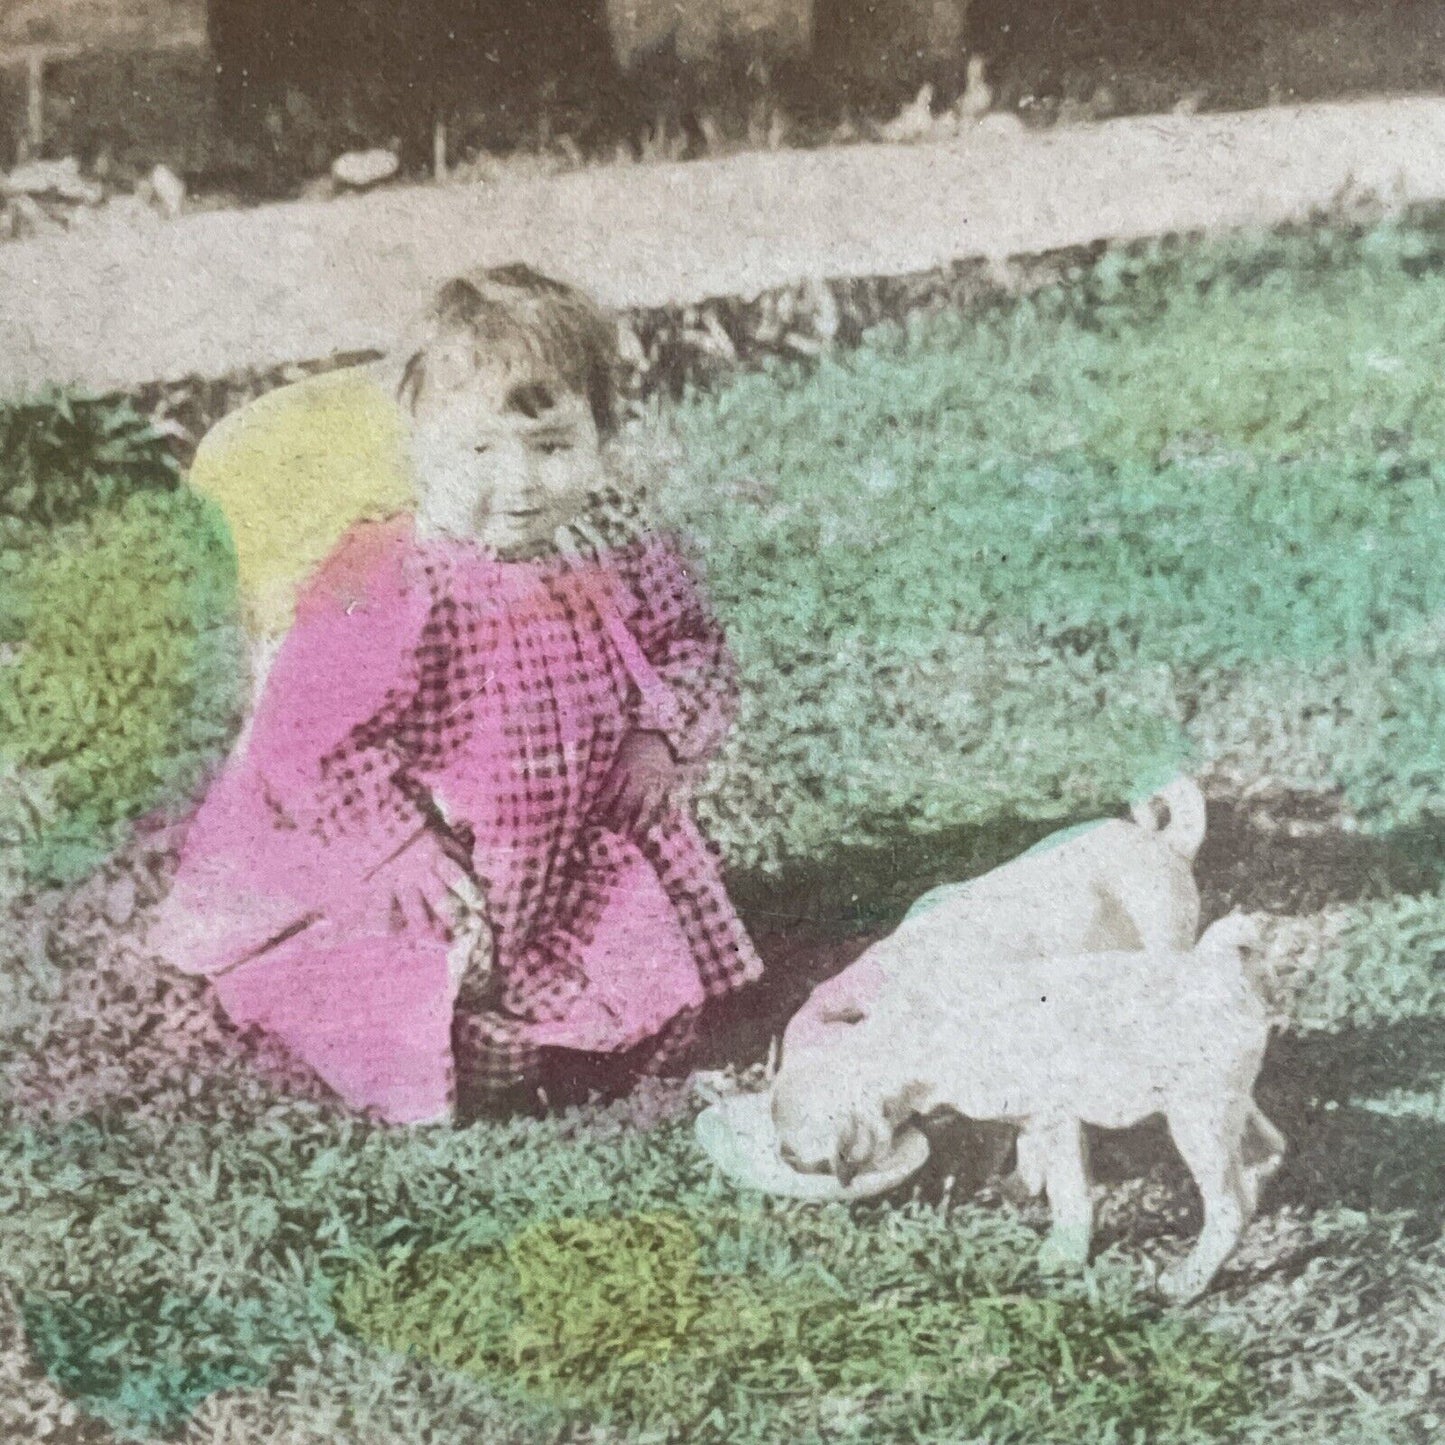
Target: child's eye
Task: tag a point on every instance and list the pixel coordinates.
(482, 448)
(552, 446)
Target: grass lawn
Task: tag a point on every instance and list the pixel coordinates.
(984, 575)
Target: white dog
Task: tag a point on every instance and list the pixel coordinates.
(1051, 1045)
(1112, 885)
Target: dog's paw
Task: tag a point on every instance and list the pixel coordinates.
(1182, 1283)
(1063, 1252)
(1014, 1189)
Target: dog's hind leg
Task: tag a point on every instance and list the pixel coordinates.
(1209, 1139)
(1060, 1148)
(1032, 1159)
(1257, 1175)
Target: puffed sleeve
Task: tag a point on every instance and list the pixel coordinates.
(316, 800)
(685, 645)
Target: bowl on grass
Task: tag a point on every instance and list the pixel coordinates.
(737, 1134)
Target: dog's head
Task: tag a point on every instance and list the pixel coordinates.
(826, 1124)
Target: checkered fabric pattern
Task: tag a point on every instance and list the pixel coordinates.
(495, 1055)
(507, 718)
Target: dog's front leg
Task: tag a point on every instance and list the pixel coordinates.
(1059, 1147)
(1031, 1157)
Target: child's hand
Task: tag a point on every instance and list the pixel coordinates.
(640, 786)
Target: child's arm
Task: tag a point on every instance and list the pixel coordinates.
(684, 642)
(377, 832)
(328, 730)
(293, 828)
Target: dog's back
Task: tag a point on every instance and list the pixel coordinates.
(1111, 1037)
(1115, 884)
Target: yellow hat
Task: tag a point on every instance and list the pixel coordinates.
(293, 471)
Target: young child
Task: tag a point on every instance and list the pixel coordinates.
(459, 814)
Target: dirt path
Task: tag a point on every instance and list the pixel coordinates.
(216, 292)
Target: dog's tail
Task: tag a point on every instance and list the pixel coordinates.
(1181, 805)
(1239, 936)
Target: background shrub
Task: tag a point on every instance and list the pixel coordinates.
(124, 683)
(62, 455)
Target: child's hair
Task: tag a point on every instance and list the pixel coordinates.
(517, 318)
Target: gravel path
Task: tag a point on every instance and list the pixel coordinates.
(215, 292)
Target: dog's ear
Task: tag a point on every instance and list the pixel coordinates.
(859, 1141)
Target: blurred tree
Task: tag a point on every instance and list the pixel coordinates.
(876, 51)
(399, 65)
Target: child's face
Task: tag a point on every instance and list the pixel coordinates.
(504, 461)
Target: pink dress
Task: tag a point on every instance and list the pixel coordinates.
(425, 678)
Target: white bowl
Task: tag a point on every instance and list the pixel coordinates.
(737, 1135)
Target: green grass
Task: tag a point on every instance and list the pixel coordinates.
(525, 1278)
(1182, 508)
(1025, 561)
(703, 1324)
(572, 1280)
(126, 683)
